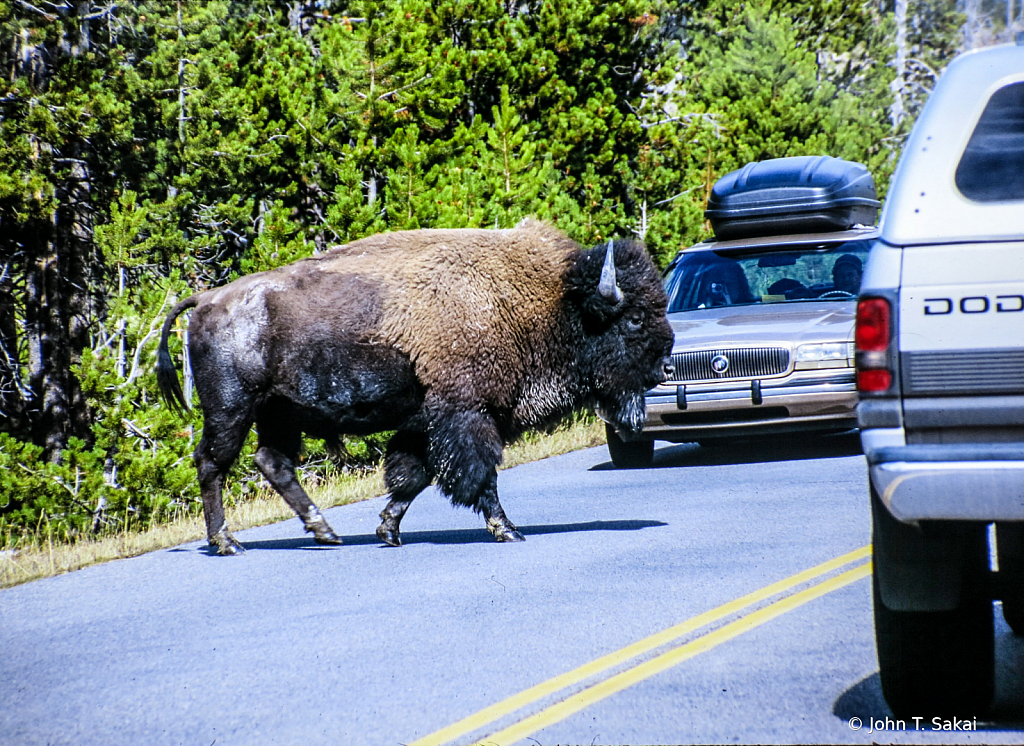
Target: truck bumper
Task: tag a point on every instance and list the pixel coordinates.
(950, 482)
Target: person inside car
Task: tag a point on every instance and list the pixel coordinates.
(846, 274)
(708, 280)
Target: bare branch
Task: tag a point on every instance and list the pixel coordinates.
(43, 13)
(927, 68)
(663, 121)
(137, 432)
(415, 83)
(666, 201)
(153, 327)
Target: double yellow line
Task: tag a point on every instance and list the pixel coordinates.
(616, 683)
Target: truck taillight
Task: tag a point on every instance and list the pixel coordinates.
(874, 317)
(873, 381)
(873, 325)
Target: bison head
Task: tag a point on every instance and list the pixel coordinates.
(626, 339)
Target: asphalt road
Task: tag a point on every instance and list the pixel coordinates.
(631, 615)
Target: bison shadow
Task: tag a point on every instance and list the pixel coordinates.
(753, 451)
(864, 699)
(447, 537)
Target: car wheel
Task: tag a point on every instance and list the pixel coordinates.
(1010, 544)
(629, 454)
(933, 661)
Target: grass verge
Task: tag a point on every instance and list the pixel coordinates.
(47, 557)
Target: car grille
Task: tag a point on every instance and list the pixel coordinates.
(744, 362)
(964, 372)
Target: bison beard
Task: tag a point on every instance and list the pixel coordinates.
(629, 412)
(457, 340)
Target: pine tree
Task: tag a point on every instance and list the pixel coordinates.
(926, 39)
(514, 174)
(578, 72)
(391, 69)
(62, 115)
(408, 201)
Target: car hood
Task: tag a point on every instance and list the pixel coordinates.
(769, 324)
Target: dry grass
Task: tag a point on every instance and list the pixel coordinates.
(48, 558)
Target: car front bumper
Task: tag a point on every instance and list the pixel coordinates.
(950, 481)
(806, 400)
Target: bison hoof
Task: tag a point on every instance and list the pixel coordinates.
(322, 531)
(327, 538)
(389, 535)
(323, 534)
(226, 545)
(509, 535)
(504, 530)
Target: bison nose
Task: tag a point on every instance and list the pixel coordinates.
(667, 370)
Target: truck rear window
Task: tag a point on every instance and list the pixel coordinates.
(992, 166)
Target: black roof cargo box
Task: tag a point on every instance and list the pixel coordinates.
(804, 194)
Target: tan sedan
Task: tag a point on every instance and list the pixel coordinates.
(763, 341)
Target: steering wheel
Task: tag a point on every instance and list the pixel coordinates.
(836, 294)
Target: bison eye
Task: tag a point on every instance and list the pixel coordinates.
(634, 320)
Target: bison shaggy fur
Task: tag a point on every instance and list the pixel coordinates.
(457, 340)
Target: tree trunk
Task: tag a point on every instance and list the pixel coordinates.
(300, 16)
(973, 25)
(13, 417)
(58, 311)
(59, 263)
(898, 110)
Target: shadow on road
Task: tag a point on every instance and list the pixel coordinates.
(457, 536)
(864, 699)
(753, 451)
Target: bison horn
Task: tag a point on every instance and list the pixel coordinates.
(608, 288)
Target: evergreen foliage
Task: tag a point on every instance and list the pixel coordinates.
(154, 149)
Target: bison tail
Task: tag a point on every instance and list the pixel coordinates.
(166, 373)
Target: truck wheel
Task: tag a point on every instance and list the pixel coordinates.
(1010, 544)
(629, 454)
(934, 661)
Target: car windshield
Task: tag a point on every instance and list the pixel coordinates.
(709, 278)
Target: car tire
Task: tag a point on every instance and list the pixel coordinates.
(934, 661)
(1010, 544)
(629, 454)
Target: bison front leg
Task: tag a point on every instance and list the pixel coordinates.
(465, 451)
(406, 474)
(390, 519)
(501, 528)
(279, 469)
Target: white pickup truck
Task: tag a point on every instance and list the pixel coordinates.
(940, 372)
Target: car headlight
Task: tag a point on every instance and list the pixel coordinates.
(824, 352)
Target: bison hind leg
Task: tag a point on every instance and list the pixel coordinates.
(214, 457)
(276, 459)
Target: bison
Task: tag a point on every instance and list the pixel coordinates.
(457, 340)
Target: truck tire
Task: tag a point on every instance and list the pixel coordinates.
(629, 454)
(1010, 544)
(934, 661)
